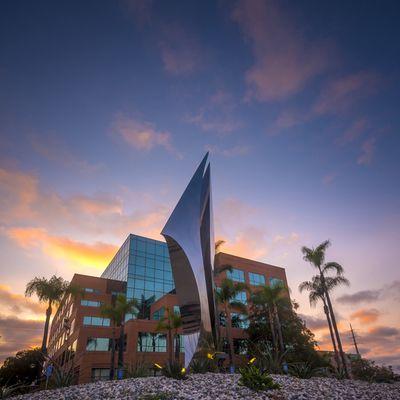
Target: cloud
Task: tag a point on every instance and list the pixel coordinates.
(339, 95)
(142, 135)
(16, 303)
(389, 291)
(140, 10)
(181, 52)
(102, 204)
(248, 243)
(217, 115)
(233, 151)
(23, 201)
(285, 60)
(54, 150)
(357, 128)
(367, 151)
(95, 255)
(329, 178)
(366, 316)
(287, 240)
(363, 296)
(314, 323)
(385, 331)
(18, 334)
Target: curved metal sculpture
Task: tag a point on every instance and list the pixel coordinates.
(189, 235)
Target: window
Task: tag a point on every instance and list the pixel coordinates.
(91, 290)
(273, 282)
(241, 297)
(256, 279)
(235, 275)
(177, 310)
(90, 303)
(98, 344)
(96, 321)
(240, 346)
(100, 374)
(222, 319)
(178, 340)
(239, 321)
(159, 313)
(152, 342)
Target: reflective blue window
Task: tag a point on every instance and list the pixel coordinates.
(275, 282)
(152, 342)
(256, 279)
(241, 297)
(236, 275)
(239, 320)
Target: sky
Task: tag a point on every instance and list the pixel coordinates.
(107, 107)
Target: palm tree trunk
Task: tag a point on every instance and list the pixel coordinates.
(121, 347)
(170, 345)
(334, 324)
(228, 328)
(177, 347)
(46, 329)
(326, 311)
(112, 362)
(272, 326)
(279, 328)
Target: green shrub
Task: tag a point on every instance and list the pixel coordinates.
(255, 379)
(305, 370)
(366, 370)
(174, 370)
(202, 366)
(269, 359)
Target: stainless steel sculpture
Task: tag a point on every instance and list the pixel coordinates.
(189, 234)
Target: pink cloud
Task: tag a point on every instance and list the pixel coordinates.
(284, 59)
(340, 94)
(217, 114)
(352, 133)
(367, 151)
(142, 135)
(181, 52)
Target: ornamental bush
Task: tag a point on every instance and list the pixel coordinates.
(255, 379)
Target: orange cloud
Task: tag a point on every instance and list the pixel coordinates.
(248, 243)
(14, 303)
(18, 194)
(142, 135)
(366, 316)
(95, 255)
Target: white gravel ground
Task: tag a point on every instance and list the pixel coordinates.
(223, 387)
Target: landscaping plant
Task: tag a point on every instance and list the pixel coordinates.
(174, 370)
(255, 379)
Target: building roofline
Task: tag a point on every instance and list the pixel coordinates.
(249, 260)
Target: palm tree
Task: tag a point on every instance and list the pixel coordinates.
(116, 312)
(317, 293)
(218, 244)
(50, 291)
(271, 299)
(226, 297)
(316, 257)
(170, 324)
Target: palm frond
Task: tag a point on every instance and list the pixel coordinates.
(333, 266)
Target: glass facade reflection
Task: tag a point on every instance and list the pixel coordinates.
(144, 264)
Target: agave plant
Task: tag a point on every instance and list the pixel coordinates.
(267, 358)
(8, 391)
